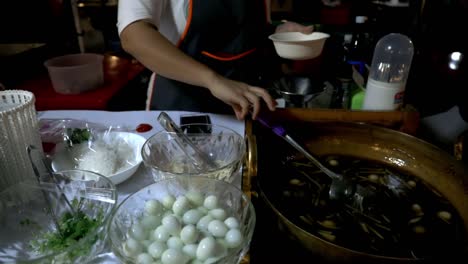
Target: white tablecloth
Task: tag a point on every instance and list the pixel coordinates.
(130, 120)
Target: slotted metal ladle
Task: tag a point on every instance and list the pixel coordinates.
(340, 188)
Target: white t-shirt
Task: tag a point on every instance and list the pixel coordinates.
(169, 16)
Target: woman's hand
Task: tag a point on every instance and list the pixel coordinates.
(289, 26)
(241, 96)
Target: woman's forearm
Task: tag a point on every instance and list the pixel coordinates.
(158, 54)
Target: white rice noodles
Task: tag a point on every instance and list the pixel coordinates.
(105, 156)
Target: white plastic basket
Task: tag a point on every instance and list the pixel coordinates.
(18, 129)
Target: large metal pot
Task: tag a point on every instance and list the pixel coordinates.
(391, 147)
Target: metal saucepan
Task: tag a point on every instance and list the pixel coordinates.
(297, 90)
(407, 153)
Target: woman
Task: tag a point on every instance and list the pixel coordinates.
(204, 52)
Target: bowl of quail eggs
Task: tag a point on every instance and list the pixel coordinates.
(183, 220)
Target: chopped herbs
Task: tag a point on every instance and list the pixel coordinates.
(77, 135)
(73, 227)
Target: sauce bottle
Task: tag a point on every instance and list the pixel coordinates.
(389, 71)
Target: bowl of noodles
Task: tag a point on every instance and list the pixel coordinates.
(115, 154)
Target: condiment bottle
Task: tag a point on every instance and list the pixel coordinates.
(344, 75)
(388, 74)
(359, 47)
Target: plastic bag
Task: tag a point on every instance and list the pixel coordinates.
(78, 144)
(60, 130)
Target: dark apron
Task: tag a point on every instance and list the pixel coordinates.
(224, 35)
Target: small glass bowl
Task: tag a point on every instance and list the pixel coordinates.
(224, 146)
(26, 217)
(129, 226)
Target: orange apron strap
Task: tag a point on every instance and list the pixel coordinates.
(228, 57)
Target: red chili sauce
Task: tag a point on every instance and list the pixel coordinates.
(142, 128)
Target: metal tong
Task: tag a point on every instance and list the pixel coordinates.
(199, 159)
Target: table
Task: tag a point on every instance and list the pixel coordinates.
(118, 72)
(129, 120)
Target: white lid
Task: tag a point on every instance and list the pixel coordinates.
(360, 19)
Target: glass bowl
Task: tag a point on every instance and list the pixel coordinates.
(162, 154)
(29, 232)
(173, 219)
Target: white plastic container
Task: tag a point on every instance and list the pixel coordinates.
(389, 71)
(76, 73)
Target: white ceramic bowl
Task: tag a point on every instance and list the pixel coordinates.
(299, 46)
(64, 159)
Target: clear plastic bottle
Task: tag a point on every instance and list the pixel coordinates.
(389, 71)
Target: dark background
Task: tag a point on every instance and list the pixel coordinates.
(436, 28)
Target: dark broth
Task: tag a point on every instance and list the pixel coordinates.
(399, 215)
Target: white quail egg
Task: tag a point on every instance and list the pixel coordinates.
(144, 258)
(132, 247)
(190, 250)
(218, 213)
(233, 238)
(211, 202)
(172, 224)
(168, 201)
(175, 242)
(206, 248)
(189, 234)
(138, 232)
(150, 222)
(156, 249)
(181, 205)
(192, 216)
(217, 228)
(153, 207)
(231, 222)
(202, 224)
(173, 256)
(196, 198)
(161, 234)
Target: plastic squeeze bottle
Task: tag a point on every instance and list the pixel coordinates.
(389, 71)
